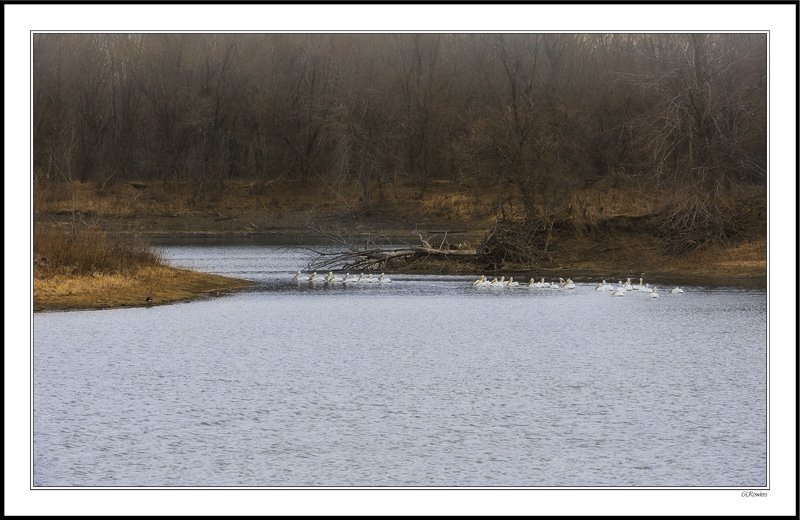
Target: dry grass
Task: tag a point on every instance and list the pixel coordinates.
(88, 251)
(747, 258)
(87, 268)
(162, 284)
(458, 207)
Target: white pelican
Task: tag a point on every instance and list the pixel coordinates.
(349, 279)
(618, 292)
(299, 278)
(498, 283)
(676, 290)
(628, 286)
(653, 293)
(537, 285)
(331, 278)
(512, 283)
(479, 281)
(641, 287)
(315, 278)
(384, 279)
(567, 284)
(604, 287)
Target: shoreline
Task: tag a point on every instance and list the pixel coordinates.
(714, 263)
(169, 285)
(601, 250)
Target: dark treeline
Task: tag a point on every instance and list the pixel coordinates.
(530, 114)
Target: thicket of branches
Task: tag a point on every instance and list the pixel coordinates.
(533, 116)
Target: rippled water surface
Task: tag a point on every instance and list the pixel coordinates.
(425, 381)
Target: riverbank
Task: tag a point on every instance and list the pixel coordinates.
(605, 233)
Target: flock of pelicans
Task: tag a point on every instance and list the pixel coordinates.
(495, 283)
(603, 286)
(331, 278)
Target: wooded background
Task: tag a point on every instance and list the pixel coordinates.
(533, 114)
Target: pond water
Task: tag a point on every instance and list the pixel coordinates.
(425, 381)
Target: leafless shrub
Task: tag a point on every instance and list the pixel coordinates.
(517, 240)
(694, 218)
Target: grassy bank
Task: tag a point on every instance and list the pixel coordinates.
(89, 269)
(98, 291)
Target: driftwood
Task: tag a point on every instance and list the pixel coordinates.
(373, 257)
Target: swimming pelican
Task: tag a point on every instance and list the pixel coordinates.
(314, 278)
(618, 292)
(384, 279)
(299, 278)
(333, 279)
(653, 293)
(676, 290)
(567, 284)
(604, 287)
(512, 283)
(479, 281)
(628, 286)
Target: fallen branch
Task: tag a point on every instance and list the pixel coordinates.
(369, 258)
